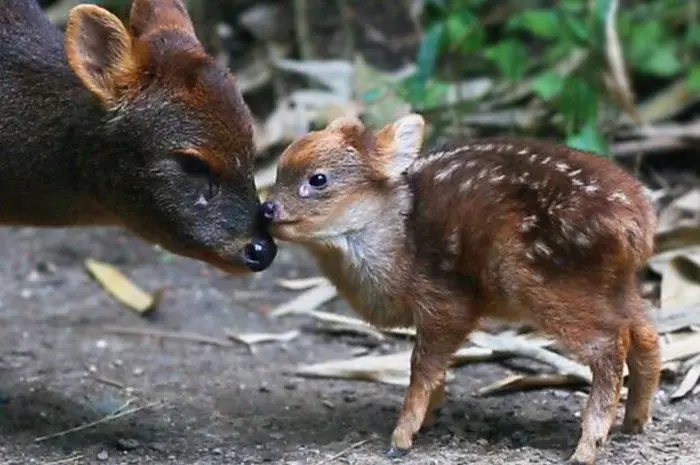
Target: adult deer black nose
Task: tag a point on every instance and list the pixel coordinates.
(259, 254)
(268, 211)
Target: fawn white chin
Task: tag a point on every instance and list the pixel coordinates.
(497, 228)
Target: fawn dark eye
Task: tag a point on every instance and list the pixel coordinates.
(318, 180)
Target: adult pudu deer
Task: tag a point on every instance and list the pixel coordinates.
(516, 230)
(136, 128)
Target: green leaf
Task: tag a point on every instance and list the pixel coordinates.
(548, 85)
(574, 28)
(589, 139)
(578, 102)
(663, 61)
(539, 22)
(464, 31)
(426, 59)
(510, 56)
(693, 79)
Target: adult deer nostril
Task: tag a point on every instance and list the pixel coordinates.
(269, 210)
(259, 254)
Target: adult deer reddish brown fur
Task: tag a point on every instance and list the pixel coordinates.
(137, 128)
(516, 230)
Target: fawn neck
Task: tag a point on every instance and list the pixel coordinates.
(51, 134)
(368, 265)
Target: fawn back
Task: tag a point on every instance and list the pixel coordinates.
(138, 128)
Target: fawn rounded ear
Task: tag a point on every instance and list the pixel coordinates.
(98, 49)
(401, 142)
(152, 15)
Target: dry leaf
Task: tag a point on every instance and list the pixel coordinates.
(392, 369)
(674, 319)
(306, 301)
(524, 348)
(525, 382)
(680, 347)
(689, 381)
(302, 283)
(250, 339)
(676, 238)
(680, 281)
(121, 288)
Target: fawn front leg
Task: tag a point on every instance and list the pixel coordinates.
(429, 362)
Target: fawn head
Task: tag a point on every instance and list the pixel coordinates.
(179, 170)
(335, 181)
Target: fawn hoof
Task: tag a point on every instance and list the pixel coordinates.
(394, 452)
(581, 459)
(633, 427)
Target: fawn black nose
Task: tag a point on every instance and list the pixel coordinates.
(268, 210)
(259, 254)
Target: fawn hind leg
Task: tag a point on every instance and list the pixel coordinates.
(598, 334)
(644, 364)
(437, 399)
(606, 361)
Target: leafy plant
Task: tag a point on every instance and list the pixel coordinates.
(530, 46)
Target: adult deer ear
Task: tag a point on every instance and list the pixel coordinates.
(400, 142)
(99, 51)
(149, 16)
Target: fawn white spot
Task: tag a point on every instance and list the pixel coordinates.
(528, 223)
(446, 172)
(620, 196)
(523, 152)
(575, 173)
(530, 256)
(482, 174)
(546, 160)
(561, 166)
(470, 164)
(591, 188)
(542, 248)
(577, 182)
(465, 186)
(532, 158)
(453, 242)
(497, 179)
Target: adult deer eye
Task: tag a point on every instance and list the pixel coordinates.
(197, 168)
(318, 180)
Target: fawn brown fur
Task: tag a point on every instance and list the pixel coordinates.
(516, 230)
(135, 126)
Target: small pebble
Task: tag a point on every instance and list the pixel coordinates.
(102, 455)
(263, 388)
(128, 444)
(217, 451)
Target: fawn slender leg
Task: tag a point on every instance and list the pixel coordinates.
(437, 399)
(607, 364)
(644, 364)
(429, 361)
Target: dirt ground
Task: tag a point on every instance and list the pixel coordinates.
(225, 405)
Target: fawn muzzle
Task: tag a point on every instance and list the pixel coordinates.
(269, 212)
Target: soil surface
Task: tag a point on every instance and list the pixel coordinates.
(60, 368)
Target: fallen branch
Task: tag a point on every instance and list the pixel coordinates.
(106, 419)
(189, 337)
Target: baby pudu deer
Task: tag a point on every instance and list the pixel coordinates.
(136, 128)
(514, 230)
